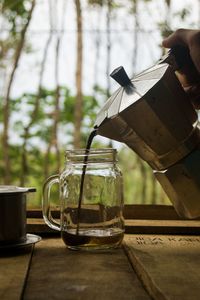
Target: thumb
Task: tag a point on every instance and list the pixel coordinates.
(179, 37)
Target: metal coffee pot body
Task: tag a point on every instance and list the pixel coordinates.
(152, 114)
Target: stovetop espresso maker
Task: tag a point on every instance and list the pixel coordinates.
(152, 114)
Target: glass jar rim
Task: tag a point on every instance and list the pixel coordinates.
(82, 151)
(93, 154)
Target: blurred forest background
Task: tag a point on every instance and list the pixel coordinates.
(55, 61)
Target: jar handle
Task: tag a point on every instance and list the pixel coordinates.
(46, 202)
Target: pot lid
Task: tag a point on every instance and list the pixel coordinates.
(5, 189)
(131, 90)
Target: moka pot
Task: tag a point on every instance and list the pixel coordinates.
(152, 114)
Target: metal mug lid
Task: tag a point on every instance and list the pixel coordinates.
(7, 189)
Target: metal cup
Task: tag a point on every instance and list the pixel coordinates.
(13, 214)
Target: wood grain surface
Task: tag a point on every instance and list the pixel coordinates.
(58, 273)
(14, 266)
(169, 266)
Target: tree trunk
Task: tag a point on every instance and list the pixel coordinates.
(78, 113)
(56, 114)
(108, 18)
(6, 103)
(33, 118)
(143, 179)
(198, 24)
(167, 29)
(153, 195)
(97, 53)
(135, 35)
(108, 46)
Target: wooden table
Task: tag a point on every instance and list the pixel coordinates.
(146, 267)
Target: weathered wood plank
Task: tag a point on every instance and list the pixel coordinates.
(180, 227)
(169, 266)
(131, 211)
(13, 271)
(58, 273)
(134, 226)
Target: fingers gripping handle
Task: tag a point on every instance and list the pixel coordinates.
(46, 208)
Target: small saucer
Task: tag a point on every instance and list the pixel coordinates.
(30, 239)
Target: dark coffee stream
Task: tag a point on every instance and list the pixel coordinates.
(88, 146)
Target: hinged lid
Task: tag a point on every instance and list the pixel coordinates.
(131, 90)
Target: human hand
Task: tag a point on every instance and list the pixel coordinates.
(188, 38)
(191, 40)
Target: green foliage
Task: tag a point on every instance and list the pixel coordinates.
(96, 2)
(90, 106)
(137, 188)
(185, 12)
(14, 14)
(164, 29)
(113, 4)
(13, 10)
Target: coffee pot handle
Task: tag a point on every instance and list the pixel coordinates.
(46, 208)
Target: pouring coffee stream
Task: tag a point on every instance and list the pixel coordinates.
(121, 77)
(88, 146)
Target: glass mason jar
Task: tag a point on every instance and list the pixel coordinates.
(91, 212)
